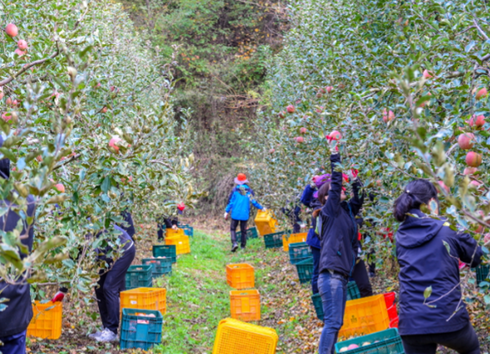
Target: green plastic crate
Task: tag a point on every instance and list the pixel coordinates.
(388, 342)
(305, 270)
(140, 331)
(298, 252)
(138, 276)
(317, 303)
(353, 291)
(482, 272)
(160, 266)
(166, 251)
(273, 240)
(251, 233)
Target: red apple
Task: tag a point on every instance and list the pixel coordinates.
(469, 170)
(443, 186)
(465, 141)
(6, 116)
(303, 130)
(473, 159)
(478, 121)
(113, 142)
(181, 206)
(335, 135)
(12, 30)
(272, 151)
(329, 88)
(299, 139)
(388, 116)
(475, 184)
(39, 158)
(281, 114)
(103, 110)
(22, 44)
(290, 108)
(481, 93)
(19, 52)
(60, 187)
(426, 74)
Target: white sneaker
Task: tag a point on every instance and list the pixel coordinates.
(96, 334)
(106, 336)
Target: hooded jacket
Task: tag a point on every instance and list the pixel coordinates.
(313, 203)
(128, 224)
(16, 317)
(239, 202)
(428, 252)
(337, 226)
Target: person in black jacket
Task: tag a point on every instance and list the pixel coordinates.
(15, 318)
(428, 252)
(170, 222)
(128, 224)
(337, 230)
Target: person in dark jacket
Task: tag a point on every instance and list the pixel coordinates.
(309, 198)
(110, 284)
(170, 222)
(428, 253)
(337, 229)
(239, 204)
(15, 318)
(128, 224)
(293, 217)
(360, 274)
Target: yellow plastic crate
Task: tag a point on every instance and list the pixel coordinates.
(46, 322)
(245, 305)
(236, 337)
(240, 276)
(293, 238)
(144, 299)
(181, 243)
(364, 316)
(174, 233)
(265, 222)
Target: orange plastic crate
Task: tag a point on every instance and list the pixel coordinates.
(144, 299)
(236, 337)
(265, 222)
(245, 305)
(174, 233)
(46, 322)
(364, 316)
(293, 238)
(181, 243)
(240, 276)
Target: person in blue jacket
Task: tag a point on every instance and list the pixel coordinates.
(428, 253)
(309, 198)
(337, 230)
(239, 204)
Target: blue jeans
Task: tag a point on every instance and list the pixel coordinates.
(316, 269)
(333, 290)
(15, 344)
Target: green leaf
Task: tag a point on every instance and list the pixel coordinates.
(427, 292)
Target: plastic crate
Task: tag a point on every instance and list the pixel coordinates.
(299, 252)
(353, 291)
(245, 305)
(46, 322)
(265, 222)
(251, 233)
(181, 243)
(174, 233)
(165, 251)
(144, 299)
(138, 276)
(240, 276)
(482, 272)
(305, 270)
(387, 341)
(236, 337)
(188, 230)
(392, 312)
(317, 303)
(140, 329)
(394, 323)
(364, 316)
(273, 240)
(159, 266)
(390, 298)
(293, 238)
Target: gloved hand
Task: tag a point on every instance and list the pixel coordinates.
(352, 173)
(312, 183)
(175, 227)
(59, 296)
(264, 209)
(226, 216)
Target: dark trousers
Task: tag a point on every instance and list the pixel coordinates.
(464, 341)
(296, 228)
(316, 252)
(243, 229)
(110, 285)
(15, 344)
(360, 276)
(160, 231)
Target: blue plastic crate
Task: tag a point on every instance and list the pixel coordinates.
(299, 252)
(317, 303)
(353, 291)
(160, 266)
(139, 330)
(305, 270)
(165, 251)
(138, 276)
(482, 273)
(387, 342)
(188, 230)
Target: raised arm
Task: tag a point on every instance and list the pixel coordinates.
(332, 206)
(468, 250)
(307, 196)
(357, 200)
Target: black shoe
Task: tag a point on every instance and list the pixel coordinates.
(234, 247)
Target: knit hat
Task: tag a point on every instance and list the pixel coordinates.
(320, 181)
(241, 179)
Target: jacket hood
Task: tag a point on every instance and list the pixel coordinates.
(414, 232)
